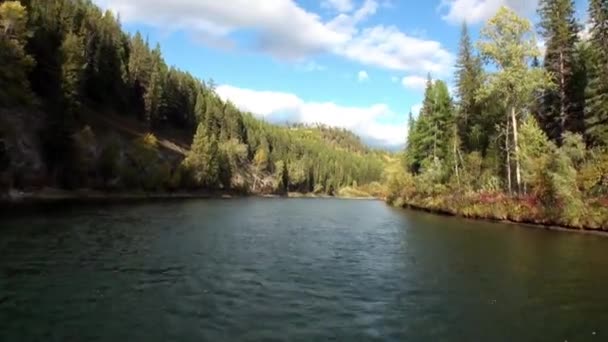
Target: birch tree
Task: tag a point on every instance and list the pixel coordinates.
(508, 43)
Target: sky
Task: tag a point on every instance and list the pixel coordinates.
(356, 64)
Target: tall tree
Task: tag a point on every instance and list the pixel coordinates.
(560, 111)
(72, 51)
(468, 81)
(596, 116)
(203, 159)
(429, 134)
(507, 41)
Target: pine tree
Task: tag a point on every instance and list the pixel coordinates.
(203, 159)
(468, 81)
(154, 91)
(596, 108)
(560, 111)
(428, 136)
(72, 51)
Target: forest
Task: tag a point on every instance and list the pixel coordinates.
(525, 137)
(85, 105)
(522, 137)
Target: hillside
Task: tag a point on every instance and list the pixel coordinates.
(90, 106)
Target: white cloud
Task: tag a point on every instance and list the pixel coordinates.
(338, 5)
(303, 35)
(414, 82)
(389, 48)
(362, 76)
(475, 11)
(275, 34)
(279, 107)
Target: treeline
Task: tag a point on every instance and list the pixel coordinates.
(68, 58)
(526, 136)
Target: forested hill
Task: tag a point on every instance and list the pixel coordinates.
(85, 105)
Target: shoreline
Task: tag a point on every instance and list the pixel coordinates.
(523, 223)
(16, 198)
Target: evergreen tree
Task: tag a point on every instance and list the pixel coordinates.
(203, 159)
(428, 134)
(468, 81)
(72, 51)
(596, 116)
(154, 90)
(560, 111)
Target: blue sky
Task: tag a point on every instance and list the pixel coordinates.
(358, 64)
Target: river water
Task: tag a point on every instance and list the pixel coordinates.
(293, 270)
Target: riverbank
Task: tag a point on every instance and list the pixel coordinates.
(53, 195)
(505, 209)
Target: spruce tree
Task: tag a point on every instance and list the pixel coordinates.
(203, 159)
(596, 108)
(468, 81)
(72, 51)
(560, 111)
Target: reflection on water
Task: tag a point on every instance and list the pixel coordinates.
(297, 270)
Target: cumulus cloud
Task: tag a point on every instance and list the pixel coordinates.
(362, 76)
(368, 122)
(387, 47)
(414, 82)
(303, 35)
(275, 34)
(474, 11)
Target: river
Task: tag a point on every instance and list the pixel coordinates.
(293, 270)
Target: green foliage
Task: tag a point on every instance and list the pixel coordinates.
(507, 41)
(534, 146)
(72, 51)
(282, 177)
(15, 63)
(261, 160)
(469, 77)
(561, 108)
(203, 159)
(463, 167)
(596, 106)
(430, 133)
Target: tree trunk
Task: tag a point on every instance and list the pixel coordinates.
(562, 97)
(508, 150)
(435, 143)
(516, 150)
(456, 162)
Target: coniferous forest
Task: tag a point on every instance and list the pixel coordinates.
(85, 105)
(523, 137)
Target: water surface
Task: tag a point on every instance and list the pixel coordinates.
(293, 270)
